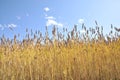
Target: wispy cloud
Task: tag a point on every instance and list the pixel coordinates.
(18, 17)
(60, 24)
(10, 26)
(50, 17)
(51, 22)
(81, 21)
(46, 9)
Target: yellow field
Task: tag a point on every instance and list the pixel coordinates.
(73, 60)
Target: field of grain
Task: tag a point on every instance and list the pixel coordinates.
(76, 56)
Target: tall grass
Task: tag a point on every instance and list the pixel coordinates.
(86, 56)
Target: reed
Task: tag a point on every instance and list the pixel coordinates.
(76, 56)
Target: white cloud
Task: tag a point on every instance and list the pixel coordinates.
(60, 24)
(46, 9)
(18, 17)
(81, 21)
(51, 22)
(50, 17)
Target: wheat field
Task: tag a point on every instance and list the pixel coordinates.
(76, 56)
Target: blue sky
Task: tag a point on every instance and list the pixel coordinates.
(36, 14)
